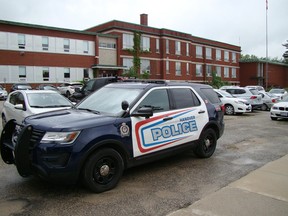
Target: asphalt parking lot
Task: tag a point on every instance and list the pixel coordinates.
(249, 141)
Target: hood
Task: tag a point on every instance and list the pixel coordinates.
(66, 120)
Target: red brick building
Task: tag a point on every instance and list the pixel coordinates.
(40, 54)
(254, 73)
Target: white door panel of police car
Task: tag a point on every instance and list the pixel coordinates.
(168, 127)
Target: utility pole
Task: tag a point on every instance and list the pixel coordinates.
(267, 74)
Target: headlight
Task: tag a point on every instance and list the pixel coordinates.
(275, 108)
(60, 137)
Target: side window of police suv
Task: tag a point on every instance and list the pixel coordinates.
(159, 100)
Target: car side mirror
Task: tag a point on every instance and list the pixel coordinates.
(19, 107)
(124, 105)
(146, 112)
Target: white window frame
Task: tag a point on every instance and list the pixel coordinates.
(208, 53)
(218, 71)
(45, 43)
(66, 45)
(233, 73)
(226, 56)
(22, 72)
(157, 45)
(199, 52)
(85, 47)
(127, 41)
(145, 43)
(128, 62)
(218, 54)
(187, 49)
(208, 70)
(199, 70)
(21, 41)
(167, 67)
(178, 47)
(45, 70)
(234, 57)
(177, 68)
(67, 73)
(145, 66)
(187, 68)
(167, 47)
(226, 72)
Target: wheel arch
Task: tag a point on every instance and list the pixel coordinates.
(113, 144)
(213, 126)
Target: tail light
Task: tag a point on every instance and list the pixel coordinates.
(274, 100)
(253, 97)
(223, 108)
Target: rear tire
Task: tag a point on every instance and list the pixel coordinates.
(207, 144)
(103, 170)
(264, 107)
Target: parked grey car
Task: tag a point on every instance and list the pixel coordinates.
(268, 100)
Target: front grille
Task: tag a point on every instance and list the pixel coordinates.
(36, 136)
(283, 108)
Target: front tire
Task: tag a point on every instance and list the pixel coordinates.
(207, 144)
(4, 120)
(103, 170)
(229, 110)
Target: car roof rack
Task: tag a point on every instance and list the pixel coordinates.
(155, 81)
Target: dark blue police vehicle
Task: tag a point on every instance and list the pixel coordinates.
(119, 126)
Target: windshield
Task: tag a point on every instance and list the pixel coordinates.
(108, 100)
(276, 91)
(226, 94)
(47, 100)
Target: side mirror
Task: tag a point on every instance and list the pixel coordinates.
(19, 107)
(146, 112)
(124, 105)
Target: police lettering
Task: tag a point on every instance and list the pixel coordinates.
(174, 130)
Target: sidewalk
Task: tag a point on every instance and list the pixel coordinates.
(263, 192)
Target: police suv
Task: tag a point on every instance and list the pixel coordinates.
(119, 126)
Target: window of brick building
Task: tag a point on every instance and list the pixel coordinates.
(178, 69)
(177, 47)
(21, 41)
(208, 53)
(199, 52)
(45, 73)
(199, 70)
(127, 41)
(45, 43)
(66, 45)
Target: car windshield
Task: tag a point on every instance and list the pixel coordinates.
(23, 87)
(47, 100)
(108, 100)
(276, 91)
(226, 94)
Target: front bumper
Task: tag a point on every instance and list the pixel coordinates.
(49, 161)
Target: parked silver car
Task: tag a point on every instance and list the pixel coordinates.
(250, 94)
(268, 100)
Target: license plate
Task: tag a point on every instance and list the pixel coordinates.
(284, 114)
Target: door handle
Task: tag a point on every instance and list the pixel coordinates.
(167, 118)
(201, 111)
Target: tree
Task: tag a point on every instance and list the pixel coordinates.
(285, 55)
(217, 81)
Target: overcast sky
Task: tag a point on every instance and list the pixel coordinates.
(238, 22)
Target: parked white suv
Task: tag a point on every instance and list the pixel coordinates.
(232, 104)
(250, 94)
(68, 88)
